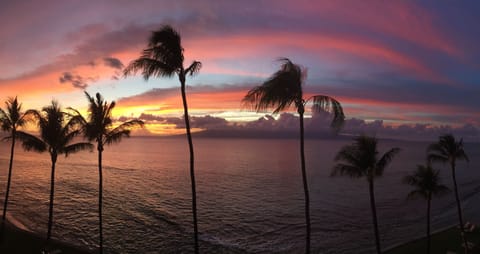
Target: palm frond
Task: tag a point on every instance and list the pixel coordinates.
(194, 68)
(7, 138)
(426, 182)
(98, 117)
(70, 135)
(348, 154)
(162, 58)
(410, 180)
(349, 170)
(5, 121)
(132, 124)
(31, 142)
(73, 148)
(461, 154)
(149, 68)
(437, 152)
(116, 136)
(447, 149)
(330, 105)
(361, 156)
(385, 160)
(12, 117)
(417, 194)
(76, 117)
(280, 91)
(123, 130)
(34, 113)
(14, 109)
(437, 158)
(166, 45)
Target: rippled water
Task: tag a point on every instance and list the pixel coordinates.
(250, 197)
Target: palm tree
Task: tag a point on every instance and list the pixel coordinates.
(360, 159)
(448, 150)
(426, 184)
(56, 136)
(99, 128)
(282, 90)
(10, 119)
(163, 57)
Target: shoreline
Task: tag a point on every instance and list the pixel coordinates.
(19, 239)
(394, 246)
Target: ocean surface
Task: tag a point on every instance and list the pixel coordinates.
(250, 196)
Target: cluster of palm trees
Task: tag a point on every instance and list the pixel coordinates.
(58, 130)
(164, 57)
(360, 160)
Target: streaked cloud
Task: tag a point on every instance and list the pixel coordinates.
(402, 62)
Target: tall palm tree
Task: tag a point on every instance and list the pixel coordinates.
(56, 136)
(448, 150)
(11, 120)
(99, 128)
(426, 183)
(282, 90)
(163, 57)
(360, 159)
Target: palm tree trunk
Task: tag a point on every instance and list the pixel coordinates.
(8, 185)
(192, 171)
(374, 215)
(52, 188)
(459, 207)
(305, 183)
(429, 200)
(100, 198)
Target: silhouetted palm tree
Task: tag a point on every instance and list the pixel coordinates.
(282, 90)
(426, 183)
(360, 159)
(448, 150)
(10, 119)
(163, 57)
(99, 128)
(56, 137)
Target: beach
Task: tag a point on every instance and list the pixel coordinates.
(21, 241)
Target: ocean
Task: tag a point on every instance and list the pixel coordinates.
(249, 191)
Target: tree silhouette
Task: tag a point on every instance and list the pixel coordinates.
(282, 90)
(360, 159)
(163, 57)
(426, 183)
(56, 136)
(99, 128)
(10, 120)
(448, 150)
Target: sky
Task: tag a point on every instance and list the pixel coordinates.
(396, 65)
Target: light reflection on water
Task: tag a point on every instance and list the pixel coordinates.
(250, 197)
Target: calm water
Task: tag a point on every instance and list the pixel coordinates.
(249, 192)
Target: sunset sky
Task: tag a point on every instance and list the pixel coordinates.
(405, 63)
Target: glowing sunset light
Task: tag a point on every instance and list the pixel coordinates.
(399, 62)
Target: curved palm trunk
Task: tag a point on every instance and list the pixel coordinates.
(8, 185)
(459, 207)
(100, 198)
(429, 200)
(52, 188)
(305, 184)
(192, 171)
(374, 215)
